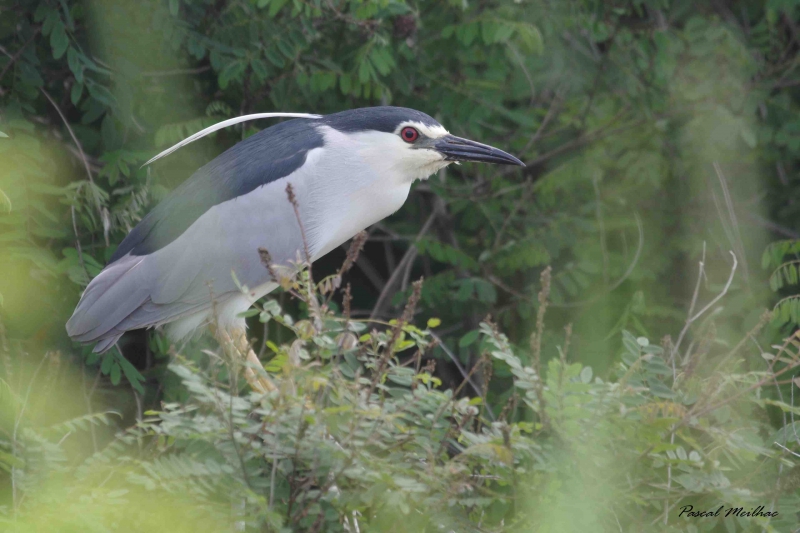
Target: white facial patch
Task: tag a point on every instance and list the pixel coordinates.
(433, 132)
(392, 160)
(425, 162)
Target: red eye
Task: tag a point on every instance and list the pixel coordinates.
(409, 134)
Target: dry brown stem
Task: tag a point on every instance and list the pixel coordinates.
(236, 346)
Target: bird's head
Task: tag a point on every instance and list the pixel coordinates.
(410, 141)
(402, 141)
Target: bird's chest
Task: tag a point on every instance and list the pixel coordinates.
(348, 198)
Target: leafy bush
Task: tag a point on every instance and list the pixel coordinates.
(650, 128)
(358, 435)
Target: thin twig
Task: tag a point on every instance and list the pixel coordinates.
(409, 256)
(783, 415)
(773, 226)
(17, 422)
(784, 448)
(555, 106)
(587, 138)
(692, 318)
(296, 207)
(98, 203)
(13, 58)
(78, 243)
(272, 481)
(621, 280)
(536, 344)
(721, 294)
(601, 225)
(523, 200)
(369, 270)
(701, 411)
(466, 375)
(737, 242)
(71, 134)
(175, 72)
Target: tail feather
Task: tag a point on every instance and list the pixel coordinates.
(109, 299)
(103, 345)
(97, 303)
(118, 300)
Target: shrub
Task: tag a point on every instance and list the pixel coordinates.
(359, 435)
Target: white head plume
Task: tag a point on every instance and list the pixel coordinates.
(225, 124)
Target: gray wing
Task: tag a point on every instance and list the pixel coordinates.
(267, 156)
(186, 251)
(189, 273)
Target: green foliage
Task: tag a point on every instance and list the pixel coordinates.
(653, 131)
(358, 433)
(781, 257)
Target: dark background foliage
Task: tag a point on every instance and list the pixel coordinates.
(657, 134)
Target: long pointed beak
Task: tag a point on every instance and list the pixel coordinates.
(457, 149)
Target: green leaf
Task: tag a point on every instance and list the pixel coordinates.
(131, 374)
(275, 57)
(783, 406)
(469, 338)
(232, 71)
(3, 135)
(259, 69)
(466, 33)
(748, 136)
(108, 360)
(485, 291)
(50, 21)
(364, 70)
(466, 288)
(658, 388)
(787, 433)
(275, 6)
(345, 83)
(101, 94)
(286, 48)
(59, 40)
(42, 10)
(29, 74)
(657, 367)
(236, 281)
(631, 344)
(530, 39)
(434, 323)
(115, 374)
(75, 64)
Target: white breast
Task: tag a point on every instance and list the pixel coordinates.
(354, 184)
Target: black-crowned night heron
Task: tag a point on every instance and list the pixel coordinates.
(348, 170)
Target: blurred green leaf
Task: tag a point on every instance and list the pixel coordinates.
(59, 40)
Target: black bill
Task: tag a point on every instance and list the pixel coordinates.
(457, 149)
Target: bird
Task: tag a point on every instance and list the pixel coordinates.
(187, 262)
